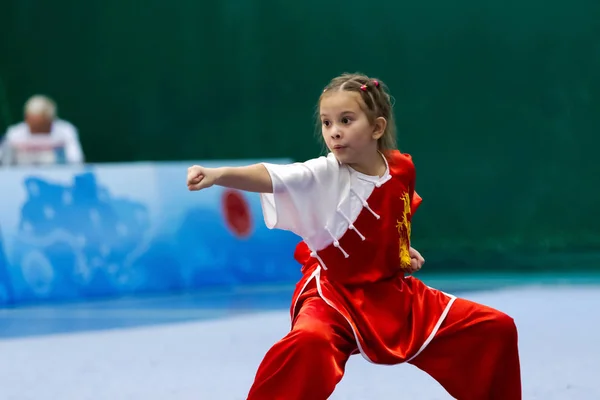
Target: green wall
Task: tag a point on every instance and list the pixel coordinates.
(498, 101)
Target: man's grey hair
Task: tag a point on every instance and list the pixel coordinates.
(41, 105)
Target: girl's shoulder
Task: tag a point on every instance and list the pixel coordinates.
(400, 162)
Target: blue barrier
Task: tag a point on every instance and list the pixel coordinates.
(116, 229)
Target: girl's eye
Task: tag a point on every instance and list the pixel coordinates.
(326, 123)
(345, 120)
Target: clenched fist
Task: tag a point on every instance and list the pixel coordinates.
(199, 177)
(416, 260)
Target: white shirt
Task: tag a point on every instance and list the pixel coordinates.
(318, 200)
(61, 145)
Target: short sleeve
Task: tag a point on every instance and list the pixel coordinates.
(302, 195)
(415, 202)
(415, 198)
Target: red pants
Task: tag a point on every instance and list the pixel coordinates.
(474, 355)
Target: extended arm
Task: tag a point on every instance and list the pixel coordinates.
(252, 178)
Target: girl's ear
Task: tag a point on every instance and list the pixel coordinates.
(379, 128)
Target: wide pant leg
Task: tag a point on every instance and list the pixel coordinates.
(474, 355)
(309, 361)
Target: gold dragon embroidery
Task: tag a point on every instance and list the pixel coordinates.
(404, 228)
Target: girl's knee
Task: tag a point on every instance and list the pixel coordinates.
(312, 335)
(504, 327)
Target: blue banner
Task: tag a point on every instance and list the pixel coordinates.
(114, 229)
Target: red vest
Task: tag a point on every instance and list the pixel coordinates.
(361, 275)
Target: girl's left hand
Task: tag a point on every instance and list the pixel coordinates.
(416, 260)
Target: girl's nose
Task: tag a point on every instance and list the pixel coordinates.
(335, 133)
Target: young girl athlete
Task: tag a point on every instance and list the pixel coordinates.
(353, 210)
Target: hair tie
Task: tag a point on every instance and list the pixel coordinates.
(376, 83)
(363, 88)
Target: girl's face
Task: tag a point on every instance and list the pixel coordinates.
(346, 128)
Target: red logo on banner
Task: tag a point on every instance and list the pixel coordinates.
(237, 213)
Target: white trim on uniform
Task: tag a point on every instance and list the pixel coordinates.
(317, 274)
(330, 304)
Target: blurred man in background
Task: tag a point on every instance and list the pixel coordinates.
(42, 138)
